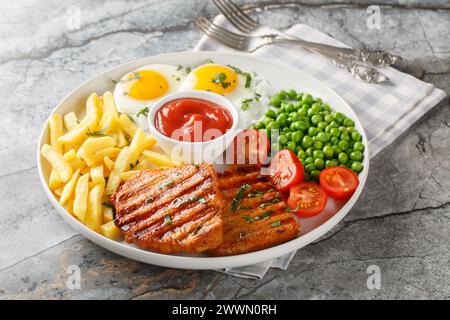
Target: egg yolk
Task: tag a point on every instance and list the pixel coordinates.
(218, 79)
(147, 85)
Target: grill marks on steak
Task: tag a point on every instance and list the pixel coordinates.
(253, 225)
(171, 209)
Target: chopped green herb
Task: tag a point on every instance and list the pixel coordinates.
(257, 97)
(167, 184)
(149, 200)
(265, 205)
(108, 204)
(248, 80)
(202, 200)
(197, 229)
(188, 70)
(114, 81)
(248, 219)
(95, 133)
(255, 193)
(143, 112)
(179, 67)
(275, 224)
(136, 75)
(288, 209)
(244, 208)
(267, 214)
(239, 195)
(219, 78)
(167, 219)
(245, 104)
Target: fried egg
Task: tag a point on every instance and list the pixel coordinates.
(248, 93)
(141, 88)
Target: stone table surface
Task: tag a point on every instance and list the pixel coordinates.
(400, 224)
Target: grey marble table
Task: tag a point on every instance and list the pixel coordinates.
(401, 223)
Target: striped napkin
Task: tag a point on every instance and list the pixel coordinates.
(385, 110)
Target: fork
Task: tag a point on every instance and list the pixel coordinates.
(252, 43)
(246, 24)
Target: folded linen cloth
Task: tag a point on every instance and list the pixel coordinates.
(385, 110)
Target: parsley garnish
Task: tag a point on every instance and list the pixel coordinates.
(220, 78)
(95, 133)
(248, 80)
(275, 224)
(245, 104)
(167, 184)
(239, 195)
(132, 166)
(244, 208)
(202, 200)
(248, 219)
(143, 112)
(288, 209)
(263, 216)
(167, 219)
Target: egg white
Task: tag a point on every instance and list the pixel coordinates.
(131, 106)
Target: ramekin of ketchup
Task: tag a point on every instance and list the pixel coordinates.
(193, 126)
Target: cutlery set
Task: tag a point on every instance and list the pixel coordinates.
(358, 62)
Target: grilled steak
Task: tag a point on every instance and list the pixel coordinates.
(171, 210)
(255, 216)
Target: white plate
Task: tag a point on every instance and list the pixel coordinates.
(280, 77)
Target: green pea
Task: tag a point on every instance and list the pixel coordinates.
(334, 140)
(338, 117)
(275, 101)
(311, 112)
(310, 167)
(348, 122)
(267, 121)
(272, 125)
(292, 94)
(337, 149)
(288, 135)
(307, 142)
(318, 145)
(282, 95)
(319, 163)
(315, 174)
(309, 151)
(297, 106)
(358, 146)
(326, 107)
(356, 155)
(282, 119)
(356, 136)
(312, 131)
(346, 137)
(301, 154)
(260, 125)
(331, 163)
(291, 146)
(318, 154)
(293, 126)
(334, 124)
(289, 108)
(343, 129)
(357, 166)
(297, 149)
(307, 98)
(334, 132)
(351, 129)
(322, 125)
(282, 140)
(328, 152)
(302, 111)
(316, 119)
(343, 144)
(328, 118)
(294, 116)
(322, 136)
(286, 130)
(296, 136)
(270, 113)
(343, 157)
(308, 160)
(299, 96)
(316, 107)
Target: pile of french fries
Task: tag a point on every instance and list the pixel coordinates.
(91, 157)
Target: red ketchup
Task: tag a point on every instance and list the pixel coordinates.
(194, 120)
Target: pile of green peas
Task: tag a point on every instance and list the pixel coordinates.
(320, 137)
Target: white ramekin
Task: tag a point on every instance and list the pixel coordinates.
(195, 152)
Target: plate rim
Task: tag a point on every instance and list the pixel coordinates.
(203, 263)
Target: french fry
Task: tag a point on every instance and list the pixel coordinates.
(158, 159)
(69, 206)
(137, 145)
(150, 141)
(144, 164)
(109, 105)
(57, 161)
(121, 164)
(111, 231)
(124, 176)
(92, 145)
(109, 164)
(54, 182)
(69, 188)
(127, 125)
(70, 155)
(58, 192)
(70, 121)
(108, 214)
(79, 133)
(81, 197)
(121, 139)
(94, 215)
(111, 153)
(56, 130)
(97, 174)
(108, 124)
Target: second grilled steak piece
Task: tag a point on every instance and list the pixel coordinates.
(171, 210)
(255, 216)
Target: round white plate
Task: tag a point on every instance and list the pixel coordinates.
(280, 76)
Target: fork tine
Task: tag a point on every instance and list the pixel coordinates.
(233, 18)
(222, 31)
(214, 35)
(240, 13)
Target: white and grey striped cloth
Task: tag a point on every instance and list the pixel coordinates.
(385, 110)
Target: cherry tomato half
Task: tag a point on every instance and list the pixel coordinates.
(307, 199)
(286, 170)
(339, 182)
(251, 147)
